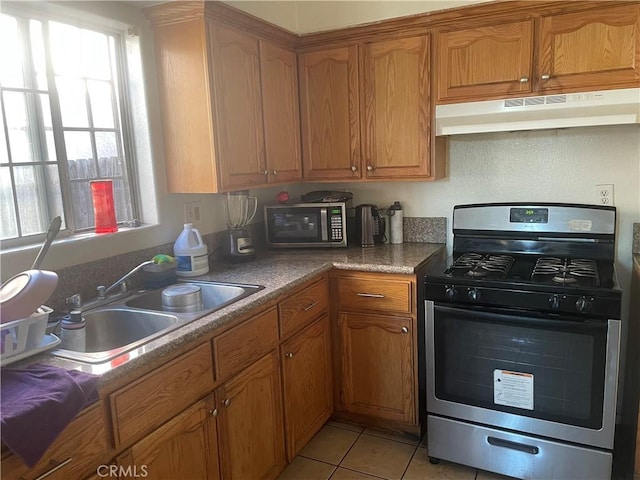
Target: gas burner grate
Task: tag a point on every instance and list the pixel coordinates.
(479, 266)
(564, 271)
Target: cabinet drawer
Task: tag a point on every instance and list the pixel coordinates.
(374, 293)
(245, 343)
(77, 452)
(299, 309)
(158, 396)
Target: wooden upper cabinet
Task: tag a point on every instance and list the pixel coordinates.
(279, 74)
(396, 108)
(238, 107)
(597, 49)
(329, 103)
(487, 61)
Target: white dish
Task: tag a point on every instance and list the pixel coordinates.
(49, 341)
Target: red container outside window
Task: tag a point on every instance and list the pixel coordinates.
(103, 207)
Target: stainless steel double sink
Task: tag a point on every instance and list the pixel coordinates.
(131, 322)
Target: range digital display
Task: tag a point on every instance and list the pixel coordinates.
(529, 215)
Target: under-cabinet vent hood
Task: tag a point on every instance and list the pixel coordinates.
(608, 107)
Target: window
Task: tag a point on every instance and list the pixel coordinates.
(63, 124)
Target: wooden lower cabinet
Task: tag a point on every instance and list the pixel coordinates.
(377, 364)
(307, 385)
(250, 422)
(185, 447)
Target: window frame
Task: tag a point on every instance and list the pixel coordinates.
(45, 12)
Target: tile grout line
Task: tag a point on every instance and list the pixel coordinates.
(404, 472)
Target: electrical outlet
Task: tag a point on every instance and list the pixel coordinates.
(192, 213)
(604, 193)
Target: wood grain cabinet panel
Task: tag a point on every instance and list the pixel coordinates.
(151, 400)
(307, 384)
(244, 344)
(487, 61)
(396, 108)
(238, 105)
(329, 103)
(281, 113)
(77, 452)
(365, 292)
(302, 307)
(378, 377)
(250, 422)
(185, 447)
(598, 49)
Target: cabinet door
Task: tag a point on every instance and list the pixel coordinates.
(598, 49)
(329, 103)
(484, 62)
(279, 80)
(250, 422)
(238, 106)
(396, 108)
(308, 394)
(377, 366)
(184, 447)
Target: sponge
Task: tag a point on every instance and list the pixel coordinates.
(162, 258)
(161, 274)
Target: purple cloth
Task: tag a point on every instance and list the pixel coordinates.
(37, 403)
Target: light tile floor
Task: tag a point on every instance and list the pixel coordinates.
(345, 452)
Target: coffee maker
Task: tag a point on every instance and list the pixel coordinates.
(240, 208)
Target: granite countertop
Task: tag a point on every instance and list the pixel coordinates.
(278, 272)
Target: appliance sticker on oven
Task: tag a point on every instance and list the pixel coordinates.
(513, 389)
(580, 225)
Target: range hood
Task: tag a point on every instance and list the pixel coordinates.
(608, 107)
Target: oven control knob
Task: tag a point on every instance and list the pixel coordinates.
(554, 301)
(450, 292)
(583, 304)
(474, 294)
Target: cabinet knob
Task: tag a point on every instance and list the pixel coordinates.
(227, 402)
(274, 172)
(265, 172)
(369, 168)
(213, 412)
(354, 168)
(289, 354)
(524, 80)
(404, 330)
(545, 76)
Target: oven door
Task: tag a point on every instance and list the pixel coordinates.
(550, 377)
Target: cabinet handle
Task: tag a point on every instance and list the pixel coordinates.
(309, 307)
(289, 354)
(54, 469)
(524, 80)
(227, 402)
(274, 172)
(370, 295)
(545, 76)
(404, 330)
(214, 412)
(354, 168)
(369, 168)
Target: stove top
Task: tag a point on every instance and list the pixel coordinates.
(544, 258)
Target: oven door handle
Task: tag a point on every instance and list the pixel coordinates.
(521, 447)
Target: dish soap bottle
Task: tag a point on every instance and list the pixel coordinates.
(190, 253)
(397, 223)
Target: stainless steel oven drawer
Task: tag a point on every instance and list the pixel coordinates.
(512, 454)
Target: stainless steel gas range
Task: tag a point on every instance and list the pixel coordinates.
(523, 341)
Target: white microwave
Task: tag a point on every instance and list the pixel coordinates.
(306, 225)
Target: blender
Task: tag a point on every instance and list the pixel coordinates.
(240, 208)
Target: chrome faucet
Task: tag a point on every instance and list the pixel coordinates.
(103, 291)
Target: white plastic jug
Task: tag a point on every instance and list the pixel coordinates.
(191, 253)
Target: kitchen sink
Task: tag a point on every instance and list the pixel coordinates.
(131, 322)
(215, 295)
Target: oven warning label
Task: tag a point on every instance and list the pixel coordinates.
(513, 389)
